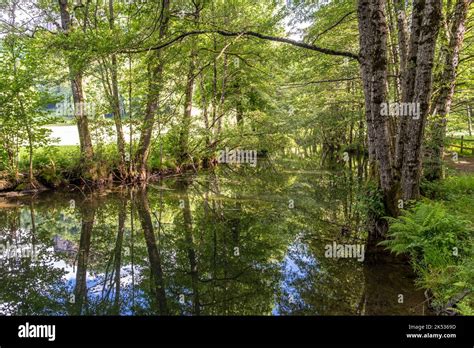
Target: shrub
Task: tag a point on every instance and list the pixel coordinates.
(440, 246)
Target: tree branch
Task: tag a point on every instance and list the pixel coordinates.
(253, 34)
(292, 85)
(318, 36)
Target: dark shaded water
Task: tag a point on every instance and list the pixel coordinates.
(243, 242)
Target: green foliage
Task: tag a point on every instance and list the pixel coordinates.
(425, 227)
(440, 246)
(54, 163)
(456, 193)
(370, 200)
(462, 184)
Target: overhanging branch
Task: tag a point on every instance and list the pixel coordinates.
(252, 34)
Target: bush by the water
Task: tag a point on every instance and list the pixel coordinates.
(439, 237)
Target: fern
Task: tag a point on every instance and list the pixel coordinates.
(440, 246)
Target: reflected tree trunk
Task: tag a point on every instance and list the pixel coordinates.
(189, 238)
(144, 214)
(87, 210)
(132, 258)
(33, 228)
(118, 254)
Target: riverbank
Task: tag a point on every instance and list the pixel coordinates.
(438, 234)
(21, 186)
(60, 167)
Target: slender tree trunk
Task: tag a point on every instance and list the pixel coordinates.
(80, 290)
(81, 117)
(75, 77)
(239, 109)
(411, 170)
(118, 253)
(144, 215)
(117, 110)
(29, 132)
(408, 77)
(183, 154)
(223, 95)
(155, 69)
(30, 159)
(192, 257)
(395, 55)
(402, 34)
(469, 119)
(365, 43)
(442, 102)
(205, 116)
(17, 159)
(214, 88)
(26, 121)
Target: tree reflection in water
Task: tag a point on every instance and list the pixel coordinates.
(213, 244)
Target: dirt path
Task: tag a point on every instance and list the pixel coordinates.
(464, 164)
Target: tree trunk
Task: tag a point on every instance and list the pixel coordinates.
(115, 99)
(81, 117)
(223, 95)
(118, 253)
(29, 132)
(408, 78)
(395, 57)
(402, 33)
(469, 119)
(154, 257)
(31, 177)
(155, 69)
(205, 115)
(192, 257)
(239, 109)
(75, 77)
(411, 169)
(442, 102)
(183, 153)
(80, 291)
(373, 60)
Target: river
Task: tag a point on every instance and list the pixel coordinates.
(235, 241)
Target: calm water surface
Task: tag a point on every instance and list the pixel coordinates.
(238, 241)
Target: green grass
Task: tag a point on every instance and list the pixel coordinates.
(63, 157)
(55, 164)
(451, 188)
(466, 144)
